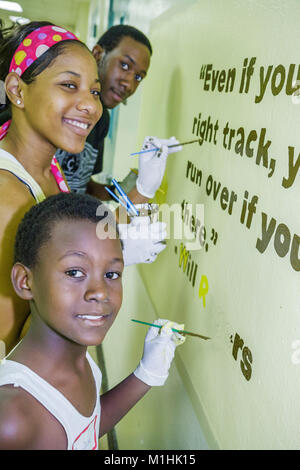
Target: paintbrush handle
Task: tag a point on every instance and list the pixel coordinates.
(183, 143)
(169, 147)
(145, 151)
(130, 204)
(116, 198)
(182, 332)
(146, 323)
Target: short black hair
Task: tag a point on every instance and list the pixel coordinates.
(37, 224)
(111, 38)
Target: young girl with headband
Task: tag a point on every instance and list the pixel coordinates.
(52, 87)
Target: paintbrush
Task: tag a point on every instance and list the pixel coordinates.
(182, 332)
(169, 146)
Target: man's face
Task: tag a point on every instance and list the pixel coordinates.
(122, 70)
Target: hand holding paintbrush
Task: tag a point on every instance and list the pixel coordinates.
(159, 351)
(176, 146)
(152, 164)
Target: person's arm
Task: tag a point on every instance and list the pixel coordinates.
(136, 197)
(15, 201)
(153, 370)
(15, 433)
(98, 190)
(118, 401)
(18, 424)
(151, 170)
(26, 425)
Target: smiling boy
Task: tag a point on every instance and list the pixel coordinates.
(49, 385)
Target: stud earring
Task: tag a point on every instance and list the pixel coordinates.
(18, 101)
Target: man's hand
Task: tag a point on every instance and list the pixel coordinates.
(152, 164)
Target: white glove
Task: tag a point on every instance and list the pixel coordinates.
(142, 240)
(159, 350)
(152, 164)
(171, 141)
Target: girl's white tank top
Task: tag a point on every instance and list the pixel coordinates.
(82, 432)
(10, 163)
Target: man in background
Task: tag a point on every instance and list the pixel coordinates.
(123, 56)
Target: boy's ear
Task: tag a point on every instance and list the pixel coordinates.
(98, 52)
(13, 87)
(21, 278)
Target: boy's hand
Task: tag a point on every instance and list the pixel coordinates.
(159, 350)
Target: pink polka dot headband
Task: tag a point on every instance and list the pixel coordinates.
(31, 48)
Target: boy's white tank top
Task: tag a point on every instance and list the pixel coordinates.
(10, 163)
(82, 432)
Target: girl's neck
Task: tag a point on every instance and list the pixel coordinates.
(30, 149)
